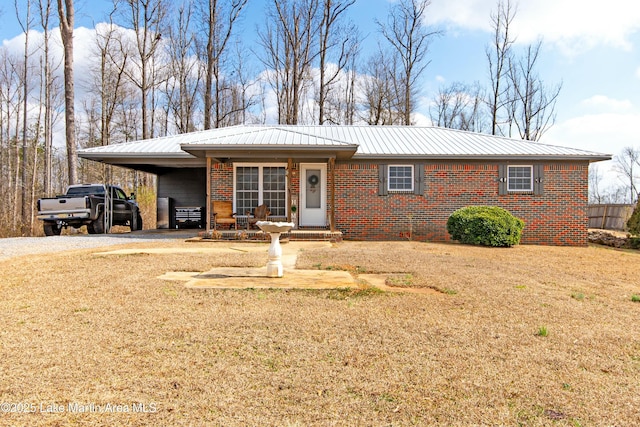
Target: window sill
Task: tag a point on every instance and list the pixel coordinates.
(400, 191)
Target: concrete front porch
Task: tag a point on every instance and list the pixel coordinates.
(293, 235)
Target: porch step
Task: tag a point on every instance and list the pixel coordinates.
(293, 235)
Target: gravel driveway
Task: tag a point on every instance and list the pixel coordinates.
(15, 246)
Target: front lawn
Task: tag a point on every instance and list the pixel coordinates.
(522, 336)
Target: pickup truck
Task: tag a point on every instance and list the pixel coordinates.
(84, 204)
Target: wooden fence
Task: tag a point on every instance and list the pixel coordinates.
(609, 217)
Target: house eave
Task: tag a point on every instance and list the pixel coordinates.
(253, 152)
(476, 157)
(153, 163)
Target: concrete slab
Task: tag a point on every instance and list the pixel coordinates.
(256, 278)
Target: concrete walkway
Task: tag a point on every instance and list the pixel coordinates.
(256, 277)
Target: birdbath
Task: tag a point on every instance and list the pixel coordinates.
(274, 265)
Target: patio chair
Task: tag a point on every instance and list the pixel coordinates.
(223, 214)
(259, 214)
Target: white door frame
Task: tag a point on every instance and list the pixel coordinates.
(313, 216)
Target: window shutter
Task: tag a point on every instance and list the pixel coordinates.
(538, 179)
(382, 180)
(419, 184)
(502, 180)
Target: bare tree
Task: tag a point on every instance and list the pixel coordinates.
(66, 15)
(109, 75)
(288, 42)
(379, 100)
(599, 194)
(498, 55)
(182, 85)
(595, 180)
(218, 20)
(532, 103)
(409, 37)
(51, 92)
(25, 202)
(458, 106)
(11, 96)
(350, 102)
(148, 19)
(105, 84)
(333, 36)
(625, 164)
(240, 97)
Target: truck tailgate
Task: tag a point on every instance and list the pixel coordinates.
(63, 207)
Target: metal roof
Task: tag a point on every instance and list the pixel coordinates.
(373, 142)
(167, 145)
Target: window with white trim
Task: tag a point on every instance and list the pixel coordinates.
(520, 178)
(258, 184)
(400, 178)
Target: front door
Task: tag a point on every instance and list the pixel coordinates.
(313, 195)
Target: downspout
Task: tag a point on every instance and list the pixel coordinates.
(208, 201)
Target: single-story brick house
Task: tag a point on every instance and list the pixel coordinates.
(368, 182)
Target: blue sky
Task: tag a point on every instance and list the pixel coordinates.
(590, 46)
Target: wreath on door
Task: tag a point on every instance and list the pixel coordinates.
(313, 180)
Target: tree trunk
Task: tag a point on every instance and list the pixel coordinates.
(26, 211)
(66, 15)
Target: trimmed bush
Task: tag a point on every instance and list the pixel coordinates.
(485, 225)
(633, 224)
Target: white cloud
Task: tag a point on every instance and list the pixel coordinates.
(573, 25)
(419, 119)
(607, 126)
(602, 103)
(606, 133)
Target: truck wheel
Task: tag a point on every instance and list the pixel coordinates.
(90, 229)
(133, 224)
(51, 229)
(98, 225)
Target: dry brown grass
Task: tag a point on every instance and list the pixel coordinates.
(80, 328)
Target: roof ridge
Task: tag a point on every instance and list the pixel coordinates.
(253, 128)
(339, 141)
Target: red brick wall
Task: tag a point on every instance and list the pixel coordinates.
(557, 217)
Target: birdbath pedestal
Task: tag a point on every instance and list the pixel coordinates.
(274, 265)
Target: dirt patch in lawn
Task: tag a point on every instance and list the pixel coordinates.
(103, 333)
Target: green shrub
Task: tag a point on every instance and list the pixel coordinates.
(633, 243)
(485, 225)
(633, 224)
